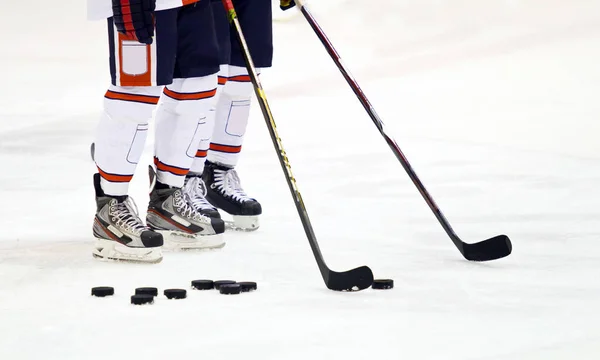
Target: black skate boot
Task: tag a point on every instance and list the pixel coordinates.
(171, 213)
(120, 233)
(225, 192)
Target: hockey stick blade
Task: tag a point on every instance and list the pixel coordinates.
(486, 250)
(351, 280)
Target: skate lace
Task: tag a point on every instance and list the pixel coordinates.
(125, 216)
(229, 183)
(196, 190)
(182, 203)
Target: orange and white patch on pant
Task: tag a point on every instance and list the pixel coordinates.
(135, 62)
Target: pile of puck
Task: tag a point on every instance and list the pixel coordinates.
(146, 295)
(225, 287)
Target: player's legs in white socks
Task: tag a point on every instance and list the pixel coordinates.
(121, 134)
(120, 138)
(181, 121)
(224, 188)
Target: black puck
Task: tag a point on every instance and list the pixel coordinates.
(383, 284)
(93, 150)
(146, 291)
(218, 283)
(175, 293)
(230, 289)
(247, 286)
(142, 299)
(102, 291)
(203, 284)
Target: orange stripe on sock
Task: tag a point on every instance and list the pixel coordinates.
(222, 80)
(240, 78)
(114, 177)
(113, 95)
(189, 96)
(225, 148)
(201, 153)
(168, 168)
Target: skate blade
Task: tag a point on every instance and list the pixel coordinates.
(109, 250)
(242, 223)
(179, 241)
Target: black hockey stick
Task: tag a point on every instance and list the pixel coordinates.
(351, 280)
(490, 249)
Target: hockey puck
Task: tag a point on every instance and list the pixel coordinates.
(92, 151)
(247, 286)
(102, 291)
(175, 293)
(146, 291)
(142, 299)
(219, 283)
(230, 289)
(203, 284)
(383, 284)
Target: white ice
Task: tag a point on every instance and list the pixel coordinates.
(495, 104)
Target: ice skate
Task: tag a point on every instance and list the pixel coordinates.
(195, 189)
(172, 214)
(225, 192)
(120, 233)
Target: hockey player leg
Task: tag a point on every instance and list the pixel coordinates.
(232, 112)
(181, 121)
(224, 189)
(194, 187)
(194, 183)
(120, 233)
(137, 73)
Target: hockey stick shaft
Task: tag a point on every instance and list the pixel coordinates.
(391, 142)
(277, 143)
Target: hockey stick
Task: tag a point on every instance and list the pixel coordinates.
(351, 280)
(490, 249)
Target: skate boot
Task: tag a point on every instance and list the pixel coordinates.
(172, 214)
(195, 189)
(120, 233)
(225, 192)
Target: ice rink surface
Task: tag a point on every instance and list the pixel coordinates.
(495, 104)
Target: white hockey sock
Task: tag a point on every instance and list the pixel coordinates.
(181, 122)
(200, 158)
(231, 117)
(121, 135)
